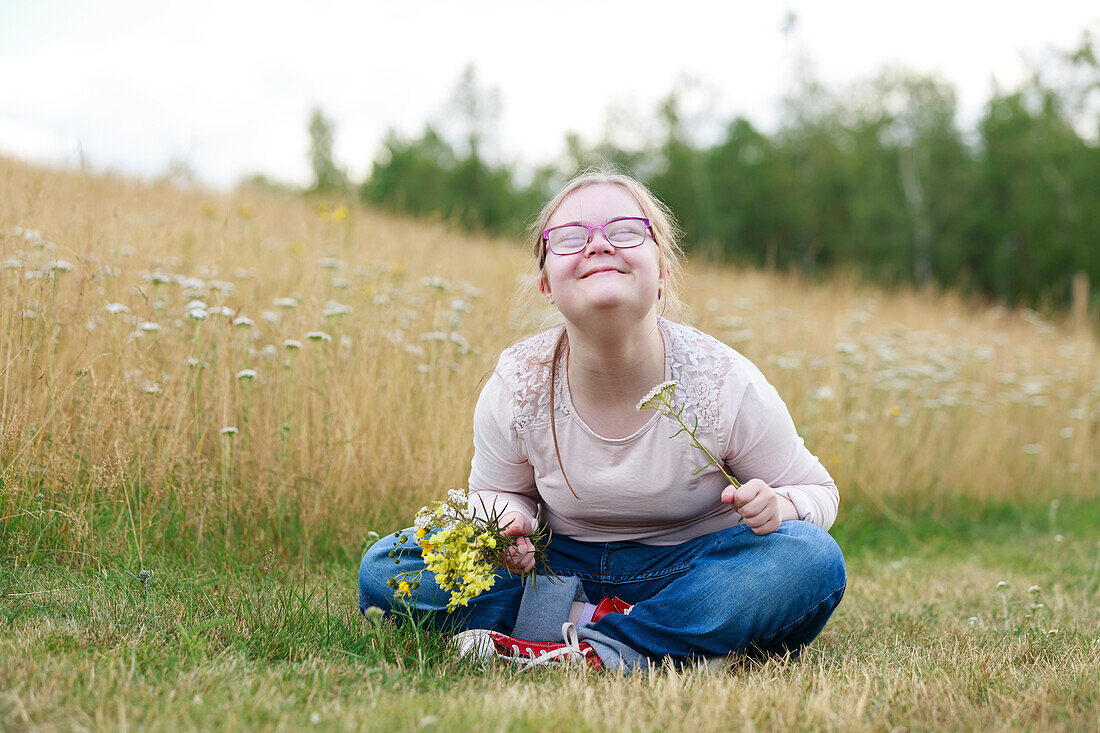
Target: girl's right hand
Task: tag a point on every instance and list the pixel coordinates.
(520, 558)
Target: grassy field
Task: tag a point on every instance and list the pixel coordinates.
(228, 393)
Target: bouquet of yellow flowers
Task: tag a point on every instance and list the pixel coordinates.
(462, 552)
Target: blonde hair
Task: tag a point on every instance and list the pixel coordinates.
(670, 256)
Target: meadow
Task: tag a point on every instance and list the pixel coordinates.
(211, 401)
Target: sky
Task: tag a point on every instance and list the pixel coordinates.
(227, 86)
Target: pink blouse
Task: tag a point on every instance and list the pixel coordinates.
(639, 488)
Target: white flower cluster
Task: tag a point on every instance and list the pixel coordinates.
(657, 396)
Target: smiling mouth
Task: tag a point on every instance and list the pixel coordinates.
(601, 270)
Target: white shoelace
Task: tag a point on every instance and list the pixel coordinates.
(571, 651)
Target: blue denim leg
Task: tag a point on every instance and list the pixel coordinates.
(727, 592)
(494, 609)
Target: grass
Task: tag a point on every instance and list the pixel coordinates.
(964, 439)
(923, 639)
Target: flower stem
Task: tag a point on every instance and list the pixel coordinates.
(678, 415)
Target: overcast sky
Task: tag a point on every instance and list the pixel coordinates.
(228, 85)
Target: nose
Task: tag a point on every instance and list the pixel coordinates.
(601, 245)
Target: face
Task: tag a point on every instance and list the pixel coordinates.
(601, 278)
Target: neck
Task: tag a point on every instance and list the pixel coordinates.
(615, 358)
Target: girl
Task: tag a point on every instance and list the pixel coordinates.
(654, 558)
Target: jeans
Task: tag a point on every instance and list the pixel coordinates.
(728, 592)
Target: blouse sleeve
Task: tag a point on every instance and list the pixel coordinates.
(763, 443)
(501, 478)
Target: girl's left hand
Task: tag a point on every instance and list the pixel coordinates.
(762, 509)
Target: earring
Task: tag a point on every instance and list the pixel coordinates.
(660, 291)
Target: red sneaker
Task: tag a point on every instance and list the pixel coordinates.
(611, 605)
(486, 645)
(538, 653)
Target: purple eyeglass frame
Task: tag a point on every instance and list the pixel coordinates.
(546, 233)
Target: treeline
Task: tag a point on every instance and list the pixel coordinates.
(880, 178)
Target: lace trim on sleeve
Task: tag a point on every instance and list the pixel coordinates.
(700, 364)
(525, 370)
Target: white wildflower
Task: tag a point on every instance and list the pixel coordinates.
(28, 314)
(824, 393)
(270, 316)
(11, 264)
(192, 283)
(248, 374)
(292, 344)
(116, 308)
(657, 396)
(197, 314)
(332, 308)
(1032, 449)
(268, 351)
(1002, 584)
(287, 302)
(229, 430)
(341, 283)
(60, 266)
(243, 322)
(423, 519)
(1033, 590)
(152, 388)
(1066, 432)
(223, 287)
(149, 327)
(318, 336)
(330, 263)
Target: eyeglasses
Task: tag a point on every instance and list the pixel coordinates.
(568, 239)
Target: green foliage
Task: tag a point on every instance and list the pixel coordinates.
(881, 180)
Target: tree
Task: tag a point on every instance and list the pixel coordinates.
(327, 176)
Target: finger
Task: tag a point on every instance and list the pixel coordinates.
(757, 506)
(764, 529)
(763, 523)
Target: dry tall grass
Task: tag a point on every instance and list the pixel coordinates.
(116, 391)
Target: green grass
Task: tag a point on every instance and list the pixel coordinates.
(923, 639)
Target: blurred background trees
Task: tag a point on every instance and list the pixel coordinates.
(879, 178)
